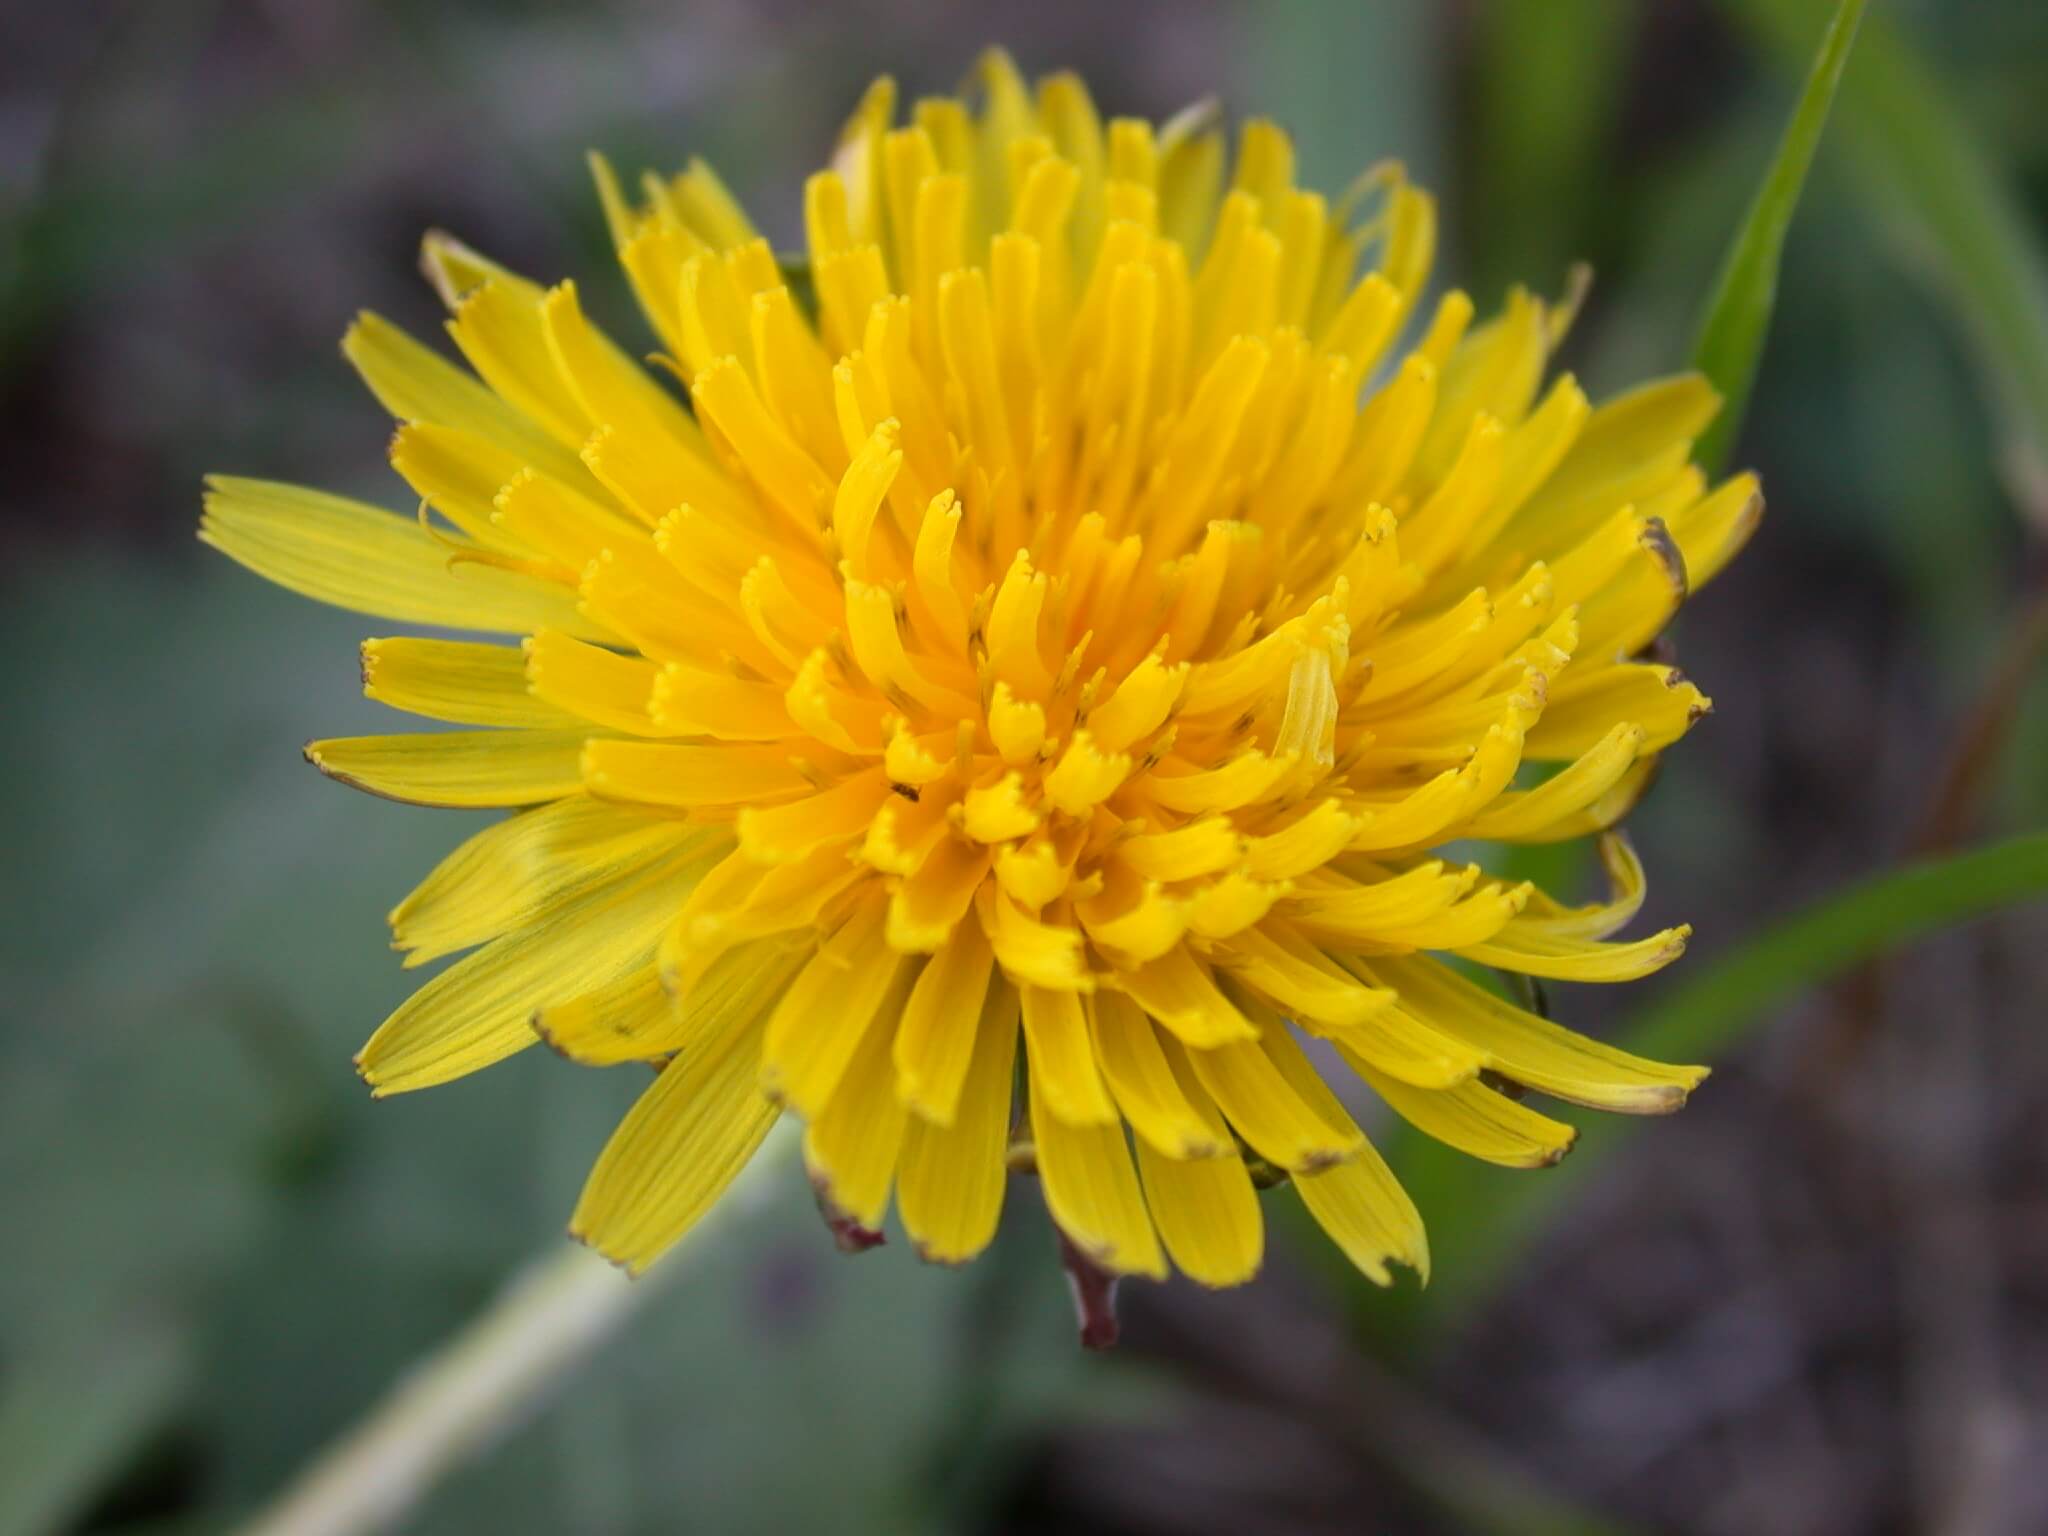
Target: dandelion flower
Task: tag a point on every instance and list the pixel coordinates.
(1000, 686)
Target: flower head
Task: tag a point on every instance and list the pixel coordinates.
(1003, 687)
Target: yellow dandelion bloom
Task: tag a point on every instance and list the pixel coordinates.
(1004, 687)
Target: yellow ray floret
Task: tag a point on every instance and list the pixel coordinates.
(1003, 698)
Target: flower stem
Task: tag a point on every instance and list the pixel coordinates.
(479, 1386)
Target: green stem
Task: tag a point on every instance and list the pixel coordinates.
(1738, 315)
(486, 1381)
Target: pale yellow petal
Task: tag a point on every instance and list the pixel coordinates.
(1062, 1056)
(1207, 1213)
(375, 562)
(952, 1177)
(1361, 1206)
(1092, 1190)
(459, 681)
(1475, 1119)
(1268, 1111)
(820, 1021)
(942, 1021)
(1140, 1074)
(851, 1148)
(639, 1018)
(480, 1009)
(1534, 1051)
(678, 1149)
(514, 872)
(458, 768)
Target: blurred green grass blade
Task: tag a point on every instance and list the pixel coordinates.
(1549, 82)
(1480, 1216)
(1943, 194)
(1738, 313)
(73, 1411)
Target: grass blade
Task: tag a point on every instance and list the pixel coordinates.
(1738, 313)
(1479, 1216)
(1943, 196)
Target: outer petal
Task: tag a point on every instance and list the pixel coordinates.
(1093, 1193)
(951, 1180)
(1208, 1214)
(675, 1153)
(361, 557)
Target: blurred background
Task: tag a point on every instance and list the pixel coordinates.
(1816, 1302)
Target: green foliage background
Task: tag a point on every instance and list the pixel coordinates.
(219, 1252)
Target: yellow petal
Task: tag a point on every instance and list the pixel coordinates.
(942, 1022)
(679, 1147)
(1232, 904)
(1179, 991)
(1207, 1213)
(1629, 446)
(1393, 1040)
(1353, 913)
(457, 768)
(905, 831)
(1134, 920)
(1475, 1119)
(788, 476)
(739, 900)
(689, 701)
(1091, 1190)
(459, 474)
(1084, 777)
(479, 1010)
(1238, 783)
(1305, 983)
(592, 683)
(1311, 841)
(820, 1021)
(1062, 1058)
(1713, 531)
(615, 392)
(1268, 1112)
(416, 384)
(1574, 959)
(459, 681)
(1533, 1050)
(1155, 1100)
(851, 1149)
(498, 326)
(1200, 848)
(1528, 814)
(1033, 873)
(516, 871)
(547, 515)
(790, 832)
(1362, 1208)
(1627, 888)
(1585, 704)
(951, 1179)
(1477, 917)
(926, 909)
(690, 776)
(361, 557)
(1043, 954)
(1139, 706)
(626, 1019)
(999, 812)
(638, 1018)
